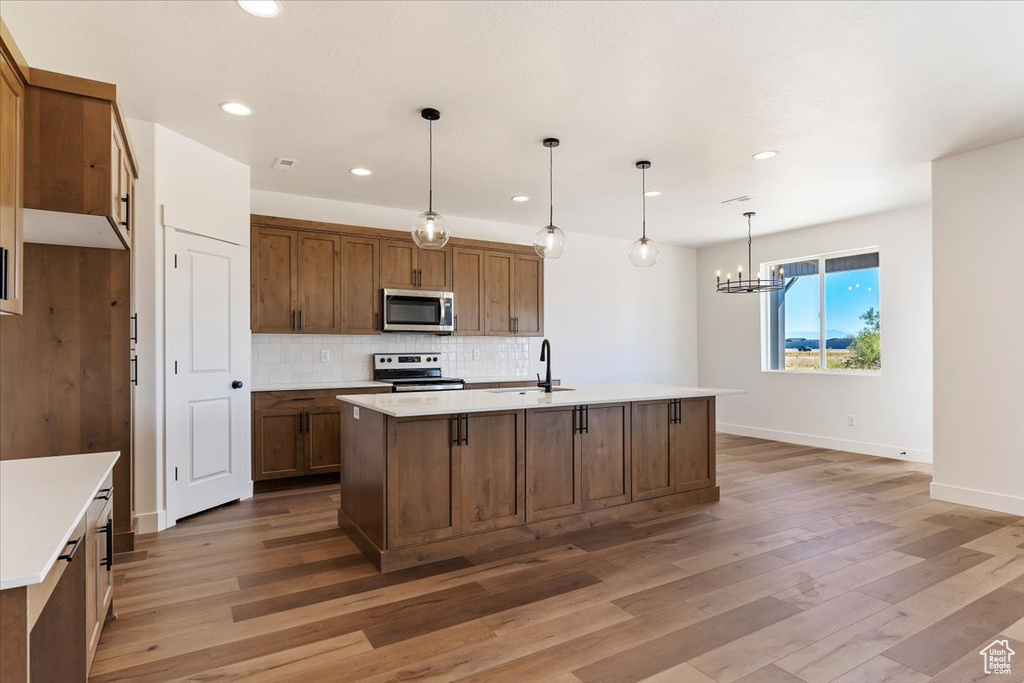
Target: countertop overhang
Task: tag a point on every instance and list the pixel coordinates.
(41, 502)
(485, 400)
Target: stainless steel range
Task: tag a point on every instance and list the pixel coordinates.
(413, 372)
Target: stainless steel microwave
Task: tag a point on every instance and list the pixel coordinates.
(417, 310)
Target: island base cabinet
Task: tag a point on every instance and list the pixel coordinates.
(605, 456)
(553, 463)
(673, 446)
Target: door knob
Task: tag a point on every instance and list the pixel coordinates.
(237, 384)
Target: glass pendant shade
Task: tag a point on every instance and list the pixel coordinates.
(549, 242)
(430, 231)
(644, 252)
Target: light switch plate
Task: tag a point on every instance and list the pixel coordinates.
(355, 412)
(476, 354)
(325, 355)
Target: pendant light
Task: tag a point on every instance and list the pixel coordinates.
(775, 281)
(645, 251)
(549, 242)
(430, 231)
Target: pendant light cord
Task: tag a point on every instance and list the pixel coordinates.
(643, 202)
(750, 261)
(551, 186)
(430, 171)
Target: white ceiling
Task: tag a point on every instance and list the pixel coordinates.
(858, 97)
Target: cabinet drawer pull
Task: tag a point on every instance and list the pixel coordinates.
(127, 199)
(135, 328)
(457, 428)
(104, 494)
(108, 529)
(5, 271)
(307, 398)
(135, 370)
(75, 544)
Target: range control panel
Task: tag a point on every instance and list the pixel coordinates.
(407, 361)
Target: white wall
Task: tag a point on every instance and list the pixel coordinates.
(201, 191)
(978, 249)
(607, 320)
(893, 410)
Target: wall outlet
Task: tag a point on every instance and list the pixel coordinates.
(325, 355)
(355, 412)
(851, 420)
(476, 354)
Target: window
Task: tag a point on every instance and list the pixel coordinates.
(828, 315)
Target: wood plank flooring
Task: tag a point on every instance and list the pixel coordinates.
(816, 566)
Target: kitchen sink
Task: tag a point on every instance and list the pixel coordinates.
(527, 390)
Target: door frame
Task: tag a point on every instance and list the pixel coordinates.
(172, 499)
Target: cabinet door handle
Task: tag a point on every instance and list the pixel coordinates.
(104, 494)
(75, 545)
(575, 418)
(5, 268)
(135, 370)
(586, 419)
(295, 319)
(127, 199)
(135, 327)
(376, 320)
(456, 323)
(465, 429)
(302, 319)
(457, 427)
(108, 529)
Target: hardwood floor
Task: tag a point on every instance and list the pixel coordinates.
(815, 566)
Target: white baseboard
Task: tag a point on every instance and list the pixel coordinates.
(909, 454)
(151, 522)
(974, 498)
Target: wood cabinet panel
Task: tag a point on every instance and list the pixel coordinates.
(552, 464)
(492, 471)
(323, 440)
(693, 445)
(99, 588)
(651, 450)
(319, 283)
(529, 295)
(423, 478)
(12, 186)
(278, 444)
(435, 269)
(360, 285)
(605, 456)
(468, 286)
(398, 264)
(274, 280)
(498, 292)
(59, 641)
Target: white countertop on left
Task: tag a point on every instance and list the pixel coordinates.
(41, 502)
(416, 404)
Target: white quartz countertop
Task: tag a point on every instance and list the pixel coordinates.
(483, 400)
(300, 386)
(41, 502)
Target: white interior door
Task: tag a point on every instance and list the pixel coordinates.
(208, 352)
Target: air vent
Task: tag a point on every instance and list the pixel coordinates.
(282, 164)
(741, 198)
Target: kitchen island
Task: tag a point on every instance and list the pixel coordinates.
(434, 475)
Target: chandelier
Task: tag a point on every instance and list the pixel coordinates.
(775, 281)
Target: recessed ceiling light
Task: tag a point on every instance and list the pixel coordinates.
(235, 108)
(766, 154)
(652, 193)
(261, 8)
(520, 198)
(360, 171)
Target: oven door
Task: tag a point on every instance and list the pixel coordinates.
(414, 310)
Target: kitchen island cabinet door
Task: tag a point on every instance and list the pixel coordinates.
(277, 443)
(319, 283)
(468, 286)
(360, 285)
(275, 299)
(652, 441)
(423, 472)
(605, 456)
(693, 445)
(323, 440)
(493, 471)
(552, 464)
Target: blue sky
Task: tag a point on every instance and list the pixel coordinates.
(849, 294)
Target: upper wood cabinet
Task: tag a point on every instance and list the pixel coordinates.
(78, 161)
(360, 285)
(12, 178)
(468, 286)
(274, 279)
(513, 293)
(406, 266)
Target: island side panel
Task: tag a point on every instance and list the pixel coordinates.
(363, 475)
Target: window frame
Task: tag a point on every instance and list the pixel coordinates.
(766, 315)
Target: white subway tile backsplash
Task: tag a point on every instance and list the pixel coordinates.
(292, 358)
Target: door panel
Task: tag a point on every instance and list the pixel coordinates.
(435, 269)
(319, 278)
(323, 441)
(208, 349)
(552, 464)
(691, 446)
(529, 295)
(279, 444)
(498, 288)
(492, 472)
(398, 261)
(652, 462)
(360, 285)
(468, 285)
(274, 279)
(605, 458)
(423, 473)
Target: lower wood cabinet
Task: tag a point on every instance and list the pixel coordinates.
(673, 446)
(454, 474)
(297, 433)
(99, 556)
